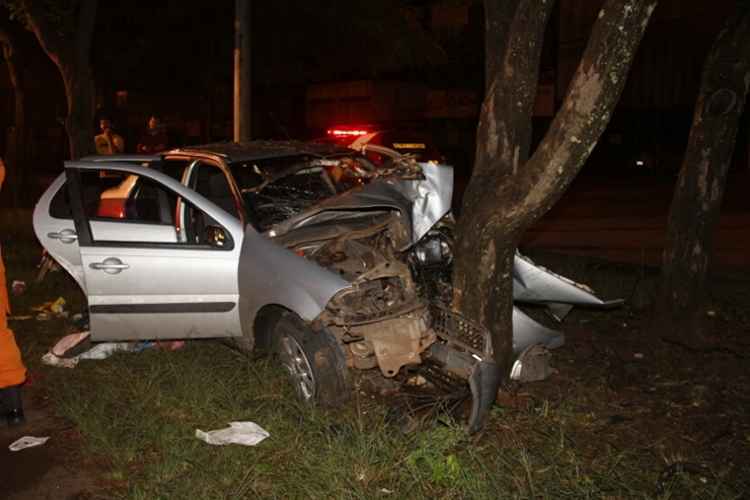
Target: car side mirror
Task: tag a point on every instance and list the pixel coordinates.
(216, 236)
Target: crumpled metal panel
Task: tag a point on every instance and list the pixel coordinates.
(423, 202)
(527, 332)
(537, 285)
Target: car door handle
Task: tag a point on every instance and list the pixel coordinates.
(65, 236)
(111, 265)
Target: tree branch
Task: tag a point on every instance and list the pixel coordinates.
(585, 112)
(51, 41)
(86, 19)
(498, 17)
(6, 41)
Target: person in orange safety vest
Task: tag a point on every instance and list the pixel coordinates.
(12, 370)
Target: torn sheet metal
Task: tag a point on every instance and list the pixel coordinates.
(537, 285)
(527, 332)
(422, 201)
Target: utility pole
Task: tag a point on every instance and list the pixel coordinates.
(242, 110)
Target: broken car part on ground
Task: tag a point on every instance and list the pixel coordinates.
(306, 250)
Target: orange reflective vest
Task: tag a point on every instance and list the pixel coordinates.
(12, 371)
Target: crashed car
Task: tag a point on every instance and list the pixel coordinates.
(304, 250)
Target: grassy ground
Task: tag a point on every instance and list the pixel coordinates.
(625, 417)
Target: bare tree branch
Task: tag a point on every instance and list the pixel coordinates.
(49, 38)
(585, 112)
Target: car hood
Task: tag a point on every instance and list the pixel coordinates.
(422, 202)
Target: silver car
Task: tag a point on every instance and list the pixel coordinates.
(305, 250)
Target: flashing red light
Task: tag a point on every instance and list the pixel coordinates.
(347, 132)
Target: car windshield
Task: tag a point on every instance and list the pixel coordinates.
(277, 189)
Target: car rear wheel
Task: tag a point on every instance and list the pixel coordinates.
(314, 361)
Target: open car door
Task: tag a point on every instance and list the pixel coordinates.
(147, 273)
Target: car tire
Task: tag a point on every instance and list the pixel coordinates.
(314, 360)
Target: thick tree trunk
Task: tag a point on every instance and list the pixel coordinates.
(694, 214)
(507, 193)
(15, 158)
(71, 56)
(79, 93)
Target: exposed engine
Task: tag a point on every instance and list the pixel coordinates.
(381, 319)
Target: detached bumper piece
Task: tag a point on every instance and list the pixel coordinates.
(464, 350)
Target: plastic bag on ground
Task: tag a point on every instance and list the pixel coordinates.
(106, 349)
(244, 433)
(27, 442)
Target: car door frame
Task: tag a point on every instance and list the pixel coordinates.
(161, 310)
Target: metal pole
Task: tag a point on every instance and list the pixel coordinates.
(242, 112)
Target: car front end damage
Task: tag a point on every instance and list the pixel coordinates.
(391, 240)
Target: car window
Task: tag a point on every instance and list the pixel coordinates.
(111, 195)
(210, 181)
(160, 214)
(276, 189)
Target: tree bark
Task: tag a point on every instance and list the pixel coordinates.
(507, 192)
(71, 56)
(15, 158)
(679, 311)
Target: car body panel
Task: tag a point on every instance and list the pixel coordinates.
(166, 290)
(269, 274)
(64, 250)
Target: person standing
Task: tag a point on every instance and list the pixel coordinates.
(108, 142)
(12, 370)
(154, 139)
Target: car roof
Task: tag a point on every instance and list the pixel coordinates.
(261, 150)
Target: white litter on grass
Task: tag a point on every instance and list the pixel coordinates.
(244, 433)
(27, 442)
(53, 360)
(106, 349)
(57, 355)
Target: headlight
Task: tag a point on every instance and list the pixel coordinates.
(434, 249)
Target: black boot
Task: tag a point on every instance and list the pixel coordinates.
(13, 405)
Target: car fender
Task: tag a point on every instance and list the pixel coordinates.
(272, 274)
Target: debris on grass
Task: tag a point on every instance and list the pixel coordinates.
(69, 350)
(244, 433)
(532, 365)
(51, 309)
(18, 287)
(27, 442)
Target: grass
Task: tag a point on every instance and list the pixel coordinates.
(596, 430)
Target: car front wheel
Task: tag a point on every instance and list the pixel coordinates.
(315, 362)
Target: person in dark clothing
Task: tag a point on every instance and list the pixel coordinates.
(154, 139)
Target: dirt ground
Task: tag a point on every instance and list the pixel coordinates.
(59, 469)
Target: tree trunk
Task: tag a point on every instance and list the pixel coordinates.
(71, 56)
(15, 158)
(79, 93)
(507, 193)
(694, 214)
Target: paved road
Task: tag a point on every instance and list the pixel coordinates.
(625, 220)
